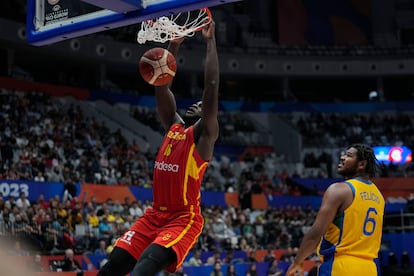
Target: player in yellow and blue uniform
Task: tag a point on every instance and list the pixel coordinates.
(347, 231)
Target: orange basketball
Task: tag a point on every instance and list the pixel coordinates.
(157, 66)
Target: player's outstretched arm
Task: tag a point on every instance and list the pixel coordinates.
(166, 104)
(208, 127)
(335, 196)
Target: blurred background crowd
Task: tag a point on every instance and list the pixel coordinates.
(294, 90)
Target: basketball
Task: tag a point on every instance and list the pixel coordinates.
(157, 66)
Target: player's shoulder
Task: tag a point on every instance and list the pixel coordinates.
(337, 194)
(339, 185)
(338, 189)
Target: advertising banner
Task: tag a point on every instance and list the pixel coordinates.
(32, 189)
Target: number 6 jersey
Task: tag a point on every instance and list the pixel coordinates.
(357, 231)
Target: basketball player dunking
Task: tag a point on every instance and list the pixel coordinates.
(162, 238)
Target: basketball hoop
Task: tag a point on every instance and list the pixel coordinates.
(175, 26)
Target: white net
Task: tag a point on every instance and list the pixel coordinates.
(175, 26)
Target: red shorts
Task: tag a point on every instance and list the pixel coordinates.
(178, 230)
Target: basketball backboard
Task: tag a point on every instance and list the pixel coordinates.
(50, 21)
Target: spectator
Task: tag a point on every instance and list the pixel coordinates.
(135, 210)
(70, 263)
(231, 270)
(36, 264)
(39, 177)
(274, 270)
(106, 229)
(55, 175)
(22, 202)
(216, 269)
(251, 257)
(196, 260)
(92, 219)
(62, 213)
(219, 227)
(117, 208)
(10, 203)
(50, 231)
(70, 188)
(42, 202)
(269, 257)
(252, 270)
(392, 260)
(244, 245)
(101, 251)
(228, 259)
(214, 258)
(405, 260)
(75, 217)
(207, 241)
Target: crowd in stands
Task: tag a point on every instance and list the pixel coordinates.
(393, 128)
(331, 131)
(320, 130)
(45, 140)
(88, 227)
(68, 226)
(53, 225)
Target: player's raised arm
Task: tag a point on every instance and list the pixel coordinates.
(166, 104)
(207, 130)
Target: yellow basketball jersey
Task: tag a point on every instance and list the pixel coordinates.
(356, 233)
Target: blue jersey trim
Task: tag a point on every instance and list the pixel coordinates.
(351, 186)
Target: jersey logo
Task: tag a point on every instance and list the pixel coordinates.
(127, 237)
(166, 237)
(162, 166)
(167, 151)
(175, 135)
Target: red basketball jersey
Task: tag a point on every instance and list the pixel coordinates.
(178, 171)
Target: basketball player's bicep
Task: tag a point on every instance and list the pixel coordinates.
(205, 148)
(210, 128)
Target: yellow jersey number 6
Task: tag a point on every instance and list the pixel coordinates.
(370, 223)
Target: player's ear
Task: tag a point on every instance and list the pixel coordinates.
(362, 164)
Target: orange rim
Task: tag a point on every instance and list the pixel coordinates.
(208, 13)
